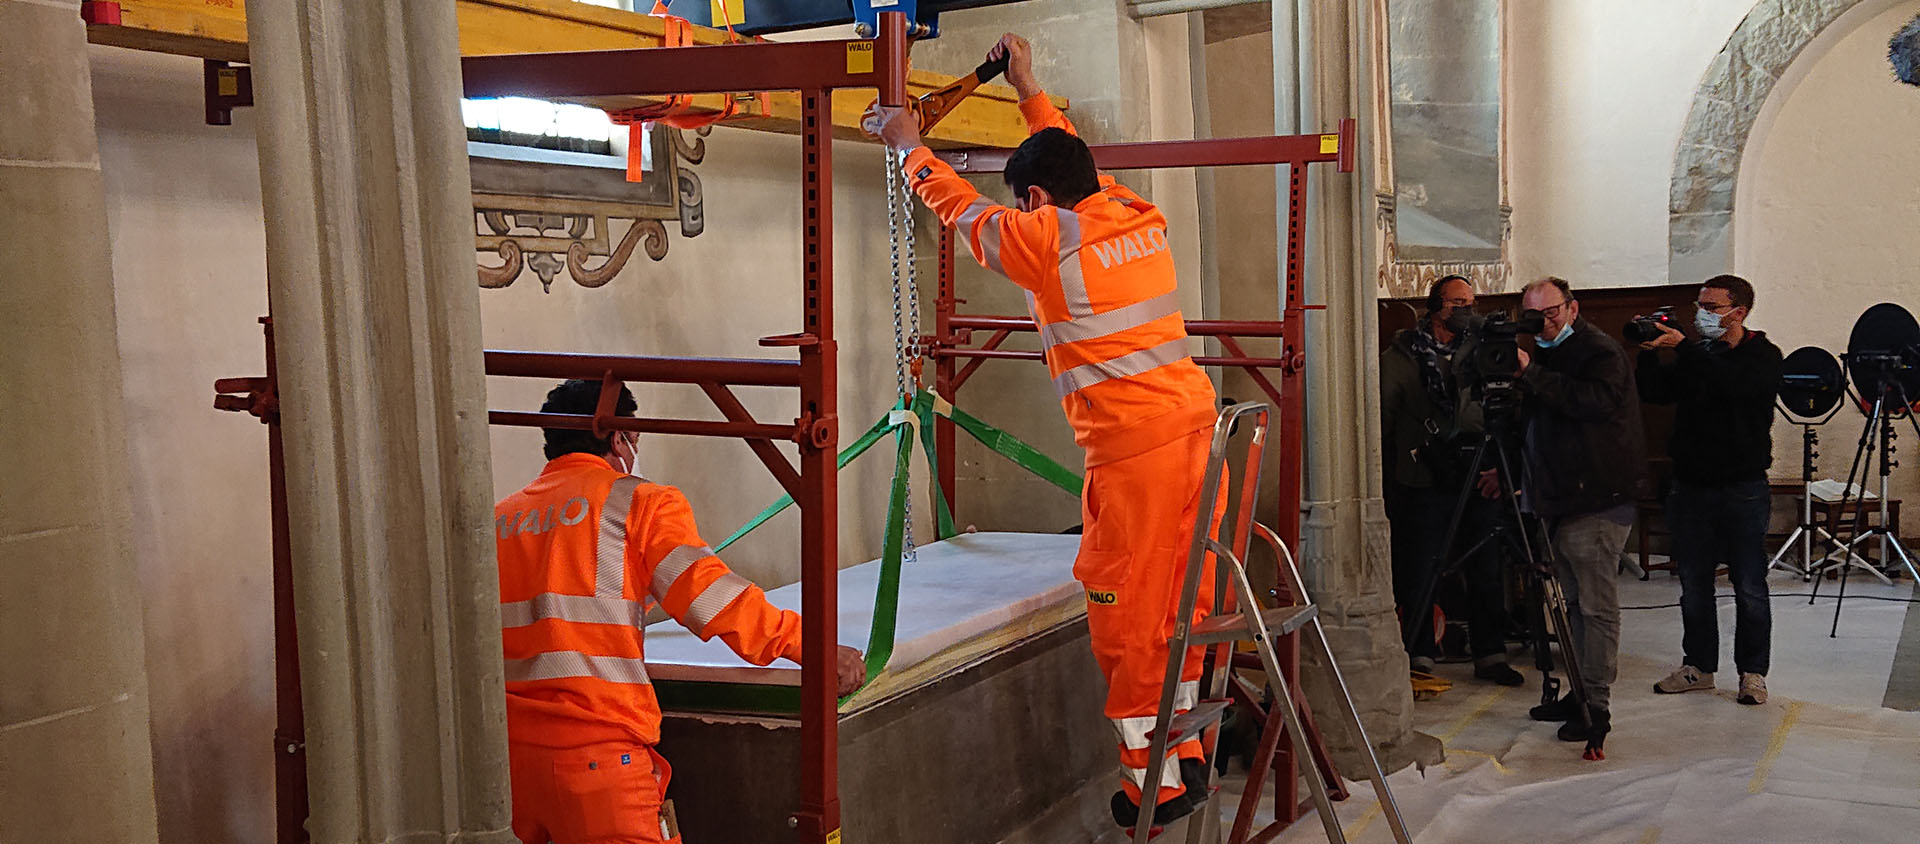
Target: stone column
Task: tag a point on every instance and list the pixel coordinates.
(370, 273)
(1322, 74)
(76, 762)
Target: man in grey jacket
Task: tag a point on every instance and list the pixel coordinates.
(1582, 460)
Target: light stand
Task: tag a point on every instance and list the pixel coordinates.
(1805, 532)
(1876, 438)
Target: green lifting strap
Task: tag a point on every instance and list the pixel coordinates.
(918, 418)
(847, 455)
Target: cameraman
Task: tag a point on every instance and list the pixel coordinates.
(1724, 387)
(1581, 466)
(1425, 411)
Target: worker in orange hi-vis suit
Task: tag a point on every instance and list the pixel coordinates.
(1094, 260)
(585, 550)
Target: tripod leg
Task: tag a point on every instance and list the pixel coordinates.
(1419, 613)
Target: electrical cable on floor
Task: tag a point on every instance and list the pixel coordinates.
(1726, 596)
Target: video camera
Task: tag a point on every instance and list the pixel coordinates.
(1646, 328)
(1495, 360)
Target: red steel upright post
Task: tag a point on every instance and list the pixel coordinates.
(943, 369)
(290, 731)
(818, 820)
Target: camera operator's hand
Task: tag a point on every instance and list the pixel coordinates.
(1489, 484)
(1669, 338)
(1525, 361)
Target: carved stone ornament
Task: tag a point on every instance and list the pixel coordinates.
(1402, 279)
(546, 217)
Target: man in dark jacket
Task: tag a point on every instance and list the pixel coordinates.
(1581, 469)
(1724, 386)
(1426, 410)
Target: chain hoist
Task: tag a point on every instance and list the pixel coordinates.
(906, 309)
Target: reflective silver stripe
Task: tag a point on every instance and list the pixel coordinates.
(972, 212)
(1134, 731)
(1169, 774)
(610, 547)
(558, 664)
(1124, 366)
(989, 238)
(1073, 284)
(718, 594)
(674, 564)
(1186, 695)
(578, 608)
(1112, 322)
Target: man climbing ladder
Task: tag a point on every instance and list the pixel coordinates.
(1094, 259)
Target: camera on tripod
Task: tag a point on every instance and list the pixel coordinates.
(1495, 362)
(1646, 327)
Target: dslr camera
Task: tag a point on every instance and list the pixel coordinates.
(1646, 328)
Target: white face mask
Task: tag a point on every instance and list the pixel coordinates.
(1709, 323)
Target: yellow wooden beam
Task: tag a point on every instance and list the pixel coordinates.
(217, 29)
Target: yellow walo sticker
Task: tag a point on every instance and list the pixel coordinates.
(1103, 598)
(833, 837)
(725, 12)
(860, 57)
(1329, 144)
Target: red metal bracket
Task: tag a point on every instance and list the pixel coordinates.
(100, 12)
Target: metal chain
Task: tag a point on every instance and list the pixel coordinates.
(906, 317)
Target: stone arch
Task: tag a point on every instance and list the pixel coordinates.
(1728, 102)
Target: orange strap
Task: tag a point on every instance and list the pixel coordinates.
(677, 110)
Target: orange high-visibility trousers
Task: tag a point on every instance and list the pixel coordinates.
(605, 793)
(1138, 515)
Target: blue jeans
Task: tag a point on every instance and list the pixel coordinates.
(1710, 526)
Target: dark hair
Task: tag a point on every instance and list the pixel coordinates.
(1565, 287)
(583, 398)
(1434, 300)
(1058, 162)
(1738, 289)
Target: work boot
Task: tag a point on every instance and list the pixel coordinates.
(1559, 710)
(1126, 813)
(1753, 689)
(1193, 775)
(1496, 670)
(1421, 664)
(1602, 724)
(1686, 678)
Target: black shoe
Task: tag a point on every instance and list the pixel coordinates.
(1193, 775)
(1602, 723)
(1500, 673)
(1126, 813)
(1559, 710)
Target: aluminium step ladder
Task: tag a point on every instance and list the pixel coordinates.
(1253, 624)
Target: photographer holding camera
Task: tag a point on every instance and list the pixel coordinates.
(1426, 410)
(1723, 388)
(1581, 462)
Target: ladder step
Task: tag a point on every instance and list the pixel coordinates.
(1193, 721)
(1232, 627)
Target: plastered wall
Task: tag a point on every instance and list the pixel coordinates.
(189, 263)
(1827, 212)
(1598, 91)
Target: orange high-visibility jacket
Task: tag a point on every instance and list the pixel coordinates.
(585, 550)
(1100, 284)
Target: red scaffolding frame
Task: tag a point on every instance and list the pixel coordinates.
(815, 69)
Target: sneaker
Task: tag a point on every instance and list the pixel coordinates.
(1602, 723)
(1753, 689)
(1422, 664)
(1126, 813)
(1686, 678)
(1559, 710)
(1499, 672)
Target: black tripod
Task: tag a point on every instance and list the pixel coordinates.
(1876, 439)
(1806, 533)
(1548, 621)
